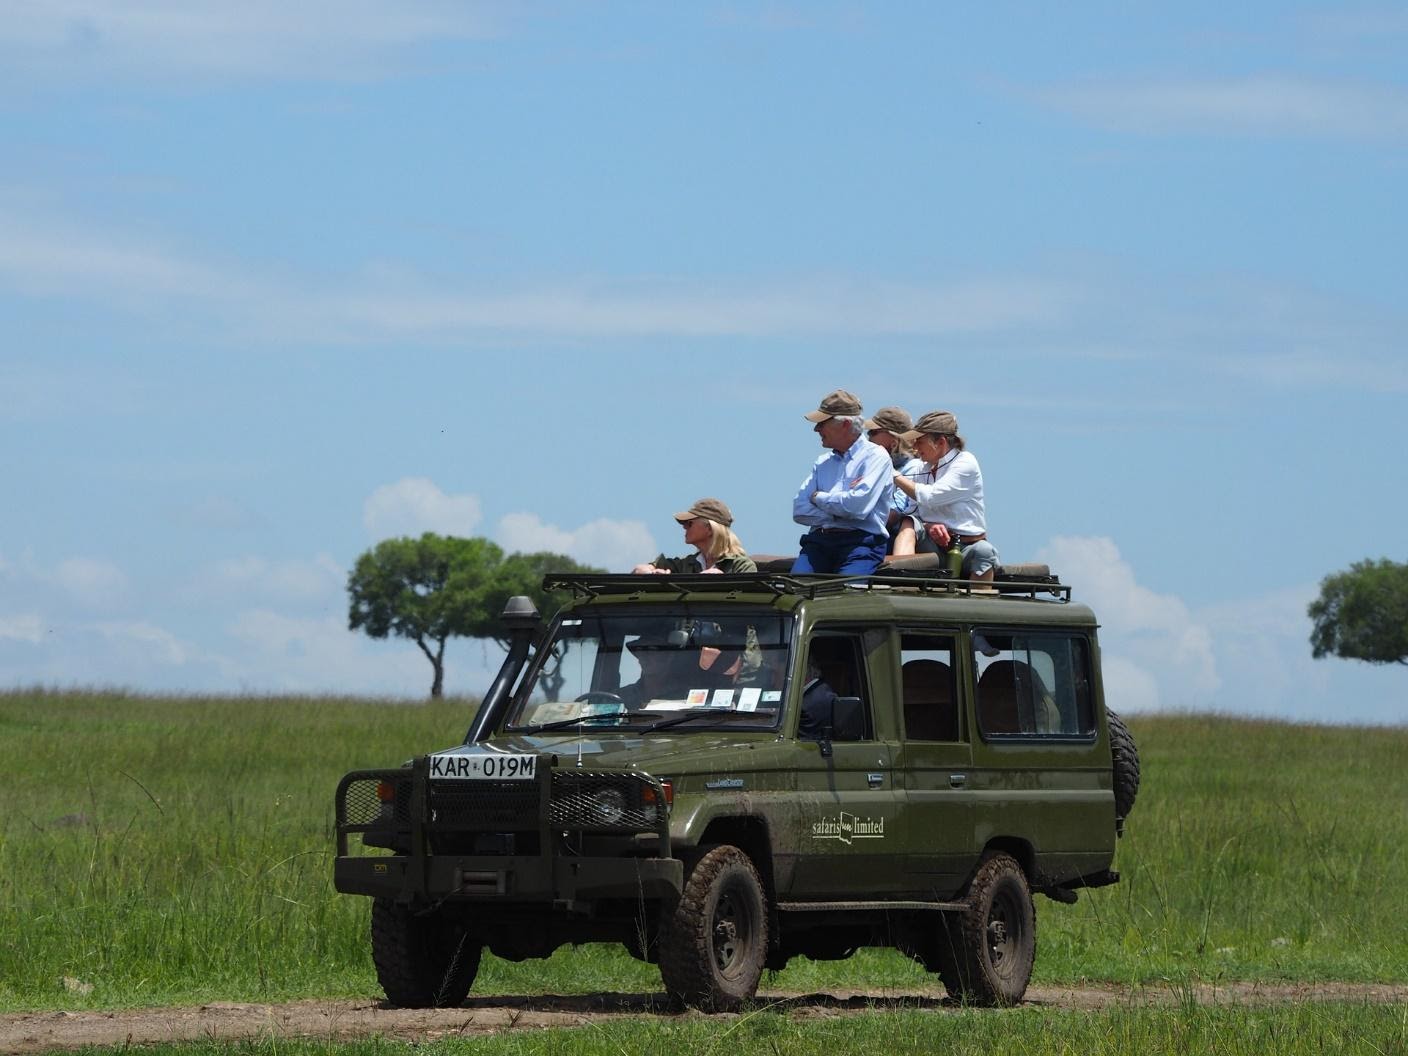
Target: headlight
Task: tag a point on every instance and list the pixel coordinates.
(608, 806)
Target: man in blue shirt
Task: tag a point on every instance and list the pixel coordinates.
(846, 496)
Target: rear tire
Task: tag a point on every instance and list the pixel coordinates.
(993, 941)
(713, 946)
(423, 960)
(1124, 760)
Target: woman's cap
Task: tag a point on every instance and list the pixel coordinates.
(940, 422)
(710, 510)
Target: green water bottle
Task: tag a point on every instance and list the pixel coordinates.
(953, 560)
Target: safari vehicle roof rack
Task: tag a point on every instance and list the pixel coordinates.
(917, 575)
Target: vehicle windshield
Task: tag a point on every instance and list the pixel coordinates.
(641, 666)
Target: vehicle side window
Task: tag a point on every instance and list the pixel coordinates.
(1033, 685)
(927, 680)
(838, 657)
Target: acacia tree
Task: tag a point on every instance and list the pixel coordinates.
(435, 587)
(1362, 614)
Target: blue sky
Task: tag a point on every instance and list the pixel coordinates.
(279, 281)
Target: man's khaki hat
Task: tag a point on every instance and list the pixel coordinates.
(940, 422)
(835, 404)
(709, 509)
(892, 419)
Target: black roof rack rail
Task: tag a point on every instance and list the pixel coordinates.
(589, 585)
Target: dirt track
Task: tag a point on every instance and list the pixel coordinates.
(33, 1032)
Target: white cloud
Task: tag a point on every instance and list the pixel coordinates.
(58, 257)
(1263, 647)
(289, 654)
(705, 309)
(75, 259)
(1159, 653)
(614, 545)
(1254, 105)
(296, 581)
(335, 39)
(414, 505)
(25, 628)
(91, 581)
(157, 644)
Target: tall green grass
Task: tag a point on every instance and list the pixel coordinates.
(160, 850)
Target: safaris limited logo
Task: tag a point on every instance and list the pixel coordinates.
(847, 827)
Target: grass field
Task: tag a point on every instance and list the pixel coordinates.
(161, 851)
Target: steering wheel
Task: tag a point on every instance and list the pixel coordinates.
(599, 696)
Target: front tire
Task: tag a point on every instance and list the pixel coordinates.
(993, 941)
(423, 960)
(713, 946)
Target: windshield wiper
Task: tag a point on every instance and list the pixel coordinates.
(615, 719)
(699, 713)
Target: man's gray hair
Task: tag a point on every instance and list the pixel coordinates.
(855, 421)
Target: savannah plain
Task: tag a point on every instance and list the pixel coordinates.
(165, 882)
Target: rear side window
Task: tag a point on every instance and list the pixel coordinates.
(1033, 685)
(928, 682)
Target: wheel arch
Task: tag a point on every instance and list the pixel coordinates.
(1017, 848)
(751, 835)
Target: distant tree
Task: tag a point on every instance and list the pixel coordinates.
(1362, 614)
(435, 587)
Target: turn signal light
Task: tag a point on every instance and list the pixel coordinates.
(386, 791)
(648, 793)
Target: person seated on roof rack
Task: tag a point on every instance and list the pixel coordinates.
(948, 497)
(846, 496)
(707, 526)
(887, 428)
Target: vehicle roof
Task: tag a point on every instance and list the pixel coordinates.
(882, 597)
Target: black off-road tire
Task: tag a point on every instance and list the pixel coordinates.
(1124, 755)
(424, 960)
(713, 946)
(993, 943)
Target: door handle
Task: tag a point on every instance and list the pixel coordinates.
(875, 780)
(957, 780)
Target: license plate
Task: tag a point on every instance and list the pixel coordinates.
(484, 767)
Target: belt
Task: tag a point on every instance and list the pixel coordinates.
(969, 540)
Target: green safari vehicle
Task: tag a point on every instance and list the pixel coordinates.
(723, 772)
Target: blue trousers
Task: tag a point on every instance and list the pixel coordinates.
(846, 553)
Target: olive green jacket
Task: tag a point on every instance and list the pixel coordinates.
(692, 563)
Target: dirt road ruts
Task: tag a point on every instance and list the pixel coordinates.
(34, 1032)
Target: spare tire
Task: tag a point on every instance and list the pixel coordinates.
(1124, 756)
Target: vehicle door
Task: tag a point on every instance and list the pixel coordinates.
(1041, 768)
(844, 832)
(935, 758)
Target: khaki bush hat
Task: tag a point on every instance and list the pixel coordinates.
(709, 509)
(835, 404)
(940, 422)
(892, 419)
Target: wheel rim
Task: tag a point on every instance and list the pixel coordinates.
(1004, 933)
(734, 928)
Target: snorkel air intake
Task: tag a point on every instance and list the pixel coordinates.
(523, 622)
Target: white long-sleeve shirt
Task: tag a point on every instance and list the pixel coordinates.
(951, 494)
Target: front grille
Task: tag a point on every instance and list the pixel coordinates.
(594, 802)
(496, 806)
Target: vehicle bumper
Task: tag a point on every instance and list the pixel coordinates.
(507, 878)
